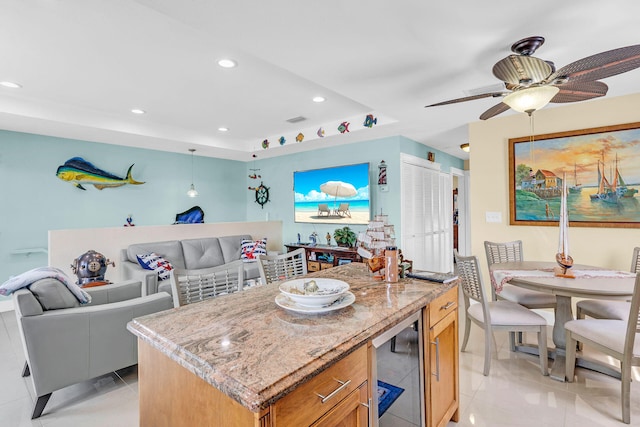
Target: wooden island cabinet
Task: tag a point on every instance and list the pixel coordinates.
(240, 360)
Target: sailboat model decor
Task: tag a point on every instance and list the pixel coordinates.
(564, 260)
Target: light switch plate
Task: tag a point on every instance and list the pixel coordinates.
(493, 216)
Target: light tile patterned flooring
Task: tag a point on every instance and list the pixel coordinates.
(514, 394)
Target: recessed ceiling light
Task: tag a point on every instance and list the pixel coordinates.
(137, 111)
(12, 85)
(223, 129)
(318, 99)
(227, 63)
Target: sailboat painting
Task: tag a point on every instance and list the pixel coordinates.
(599, 167)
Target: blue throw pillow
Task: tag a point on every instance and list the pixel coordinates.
(155, 262)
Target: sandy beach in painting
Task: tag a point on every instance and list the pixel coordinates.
(312, 216)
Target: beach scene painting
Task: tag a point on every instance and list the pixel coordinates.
(335, 195)
(601, 167)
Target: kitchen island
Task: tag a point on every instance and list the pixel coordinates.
(240, 360)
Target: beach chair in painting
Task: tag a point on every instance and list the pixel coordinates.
(343, 210)
(323, 208)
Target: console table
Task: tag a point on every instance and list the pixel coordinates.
(320, 257)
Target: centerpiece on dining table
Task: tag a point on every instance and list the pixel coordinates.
(314, 295)
(564, 260)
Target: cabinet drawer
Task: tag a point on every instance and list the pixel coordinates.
(313, 266)
(443, 305)
(324, 266)
(303, 406)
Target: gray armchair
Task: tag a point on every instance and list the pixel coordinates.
(65, 343)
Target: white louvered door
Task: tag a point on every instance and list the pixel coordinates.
(427, 215)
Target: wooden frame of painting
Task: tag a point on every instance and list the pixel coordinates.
(602, 169)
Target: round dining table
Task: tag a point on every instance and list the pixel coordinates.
(529, 275)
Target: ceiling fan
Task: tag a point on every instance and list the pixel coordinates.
(531, 83)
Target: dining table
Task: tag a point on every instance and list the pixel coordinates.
(589, 282)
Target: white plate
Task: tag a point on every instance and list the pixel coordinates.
(329, 290)
(285, 302)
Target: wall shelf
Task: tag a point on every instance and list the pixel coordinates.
(29, 251)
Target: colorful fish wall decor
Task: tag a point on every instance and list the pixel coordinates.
(300, 137)
(265, 144)
(320, 132)
(369, 121)
(282, 140)
(344, 127)
(78, 171)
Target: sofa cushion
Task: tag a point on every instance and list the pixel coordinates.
(170, 251)
(231, 245)
(202, 253)
(52, 294)
(155, 263)
(252, 248)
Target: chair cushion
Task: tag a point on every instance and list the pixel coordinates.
(507, 313)
(602, 309)
(155, 262)
(202, 253)
(250, 249)
(53, 294)
(527, 297)
(607, 332)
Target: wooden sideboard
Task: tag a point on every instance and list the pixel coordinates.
(321, 257)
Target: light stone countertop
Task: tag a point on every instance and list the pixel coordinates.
(256, 352)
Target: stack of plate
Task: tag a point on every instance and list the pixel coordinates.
(314, 295)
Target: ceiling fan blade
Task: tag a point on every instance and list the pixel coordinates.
(518, 69)
(600, 65)
(580, 91)
(469, 98)
(494, 111)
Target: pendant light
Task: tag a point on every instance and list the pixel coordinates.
(530, 99)
(192, 190)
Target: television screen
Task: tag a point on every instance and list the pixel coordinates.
(337, 195)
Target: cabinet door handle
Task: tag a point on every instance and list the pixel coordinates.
(437, 373)
(447, 305)
(343, 385)
(369, 406)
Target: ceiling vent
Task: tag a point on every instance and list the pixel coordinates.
(297, 119)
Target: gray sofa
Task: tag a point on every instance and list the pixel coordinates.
(190, 254)
(65, 343)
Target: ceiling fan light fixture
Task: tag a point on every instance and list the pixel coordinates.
(465, 147)
(530, 99)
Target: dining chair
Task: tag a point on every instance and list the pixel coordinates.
(496, 315)
(608, 309)
(613, 337)
(274, 268)
(512, 251)
(508, 252)
(189, 286)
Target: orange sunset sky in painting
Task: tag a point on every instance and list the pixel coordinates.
(559, 155)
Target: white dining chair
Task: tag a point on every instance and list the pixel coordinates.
(190, 286)
(608, 309)
(274, 268)
(615, 338)
(496, 315)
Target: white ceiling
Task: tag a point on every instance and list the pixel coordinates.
(84, 64)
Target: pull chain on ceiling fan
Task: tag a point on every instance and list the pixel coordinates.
(531, 83)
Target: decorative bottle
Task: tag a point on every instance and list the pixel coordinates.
(391, 264)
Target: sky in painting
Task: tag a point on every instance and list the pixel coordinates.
(307, 183)
(559, 155)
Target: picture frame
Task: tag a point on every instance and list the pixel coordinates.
(602, 169)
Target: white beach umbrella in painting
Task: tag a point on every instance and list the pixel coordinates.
(338, 189)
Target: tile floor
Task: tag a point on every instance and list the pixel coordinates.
(514, 394)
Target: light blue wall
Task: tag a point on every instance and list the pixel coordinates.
(277, 173)
(35, 201)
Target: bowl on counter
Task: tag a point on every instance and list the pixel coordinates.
(314, 292)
